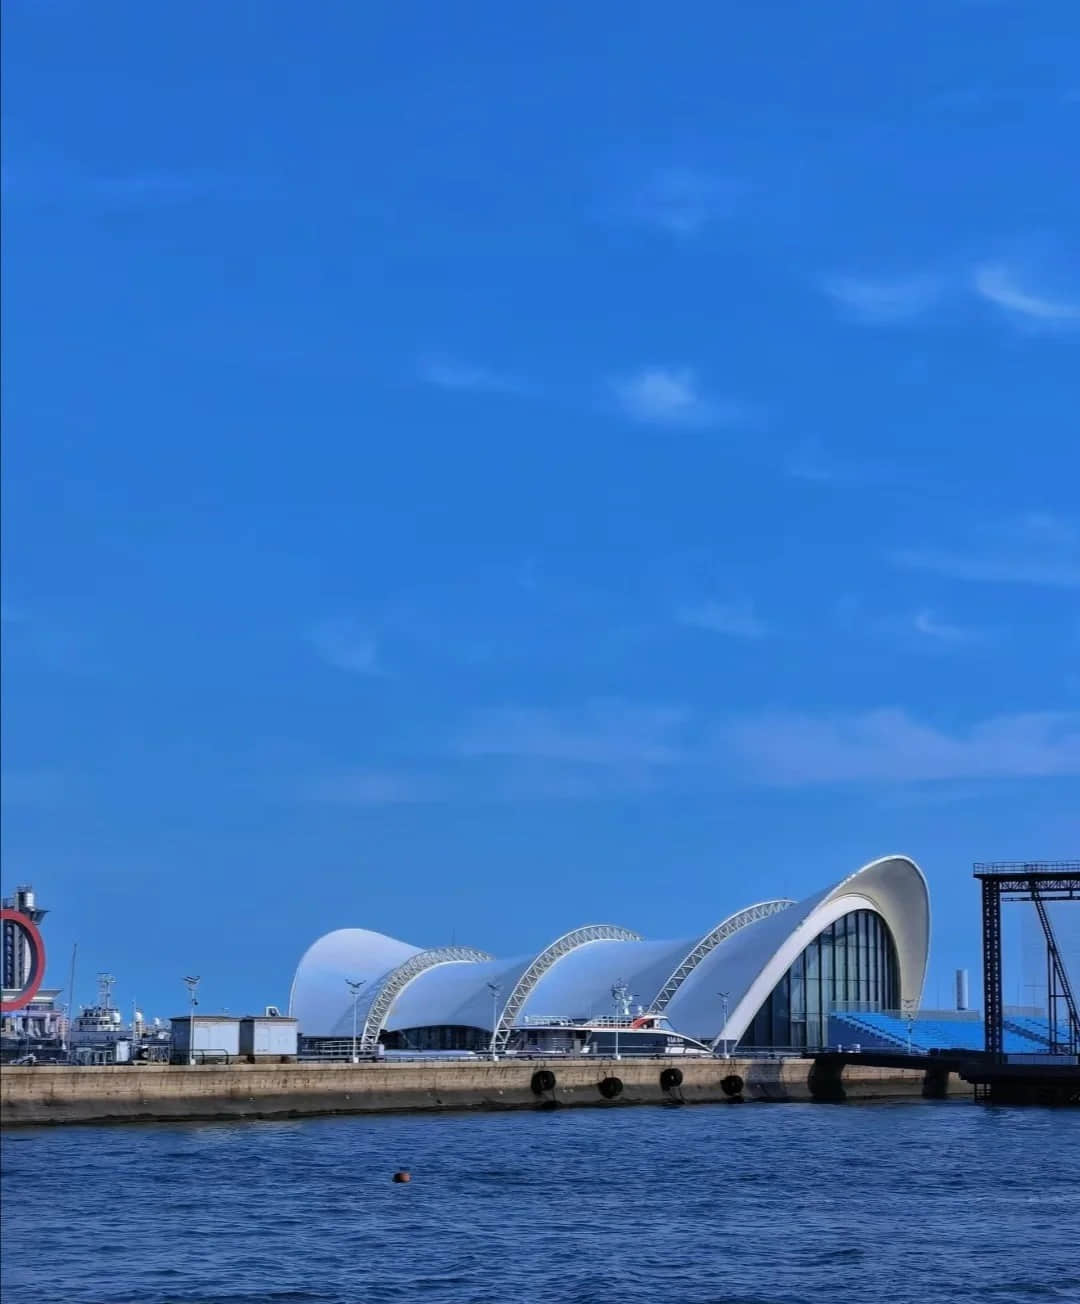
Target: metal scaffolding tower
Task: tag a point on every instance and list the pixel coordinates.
(1038, 881)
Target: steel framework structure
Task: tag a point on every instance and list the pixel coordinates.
(709, 942)
(551, 955)
(1037, 881)
(394, 983)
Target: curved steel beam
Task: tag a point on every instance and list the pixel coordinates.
(894, 887)
(395, 982)
(709, 942)
(524, 986)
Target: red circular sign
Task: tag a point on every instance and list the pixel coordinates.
(37, 964)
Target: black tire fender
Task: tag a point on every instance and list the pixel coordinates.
(543, 1080)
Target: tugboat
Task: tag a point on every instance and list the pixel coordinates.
(100, 1024)
(98, 1034)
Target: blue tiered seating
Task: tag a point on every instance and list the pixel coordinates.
(874, 1031)
(882, 1031)
(1034, 1031)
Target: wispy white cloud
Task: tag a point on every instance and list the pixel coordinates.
(346, 646)
(999, 285)
(1037, 549)
(663, 747)
(810, 461)
(683, 201)
(927, 625)
(29, 177)
(737, 619)
(469, 378)
(602, 733)
(888, 745)
(612, 750)
(604, 749)
(672, 396)
(925, 631)
(372, 788)
(525, 781)
(883, 302)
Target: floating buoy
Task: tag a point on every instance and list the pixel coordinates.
(403, 1175)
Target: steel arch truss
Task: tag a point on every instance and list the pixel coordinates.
(709, 942)
(523, 988)
(395, 982)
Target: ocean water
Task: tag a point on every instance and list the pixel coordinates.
(760, 1204)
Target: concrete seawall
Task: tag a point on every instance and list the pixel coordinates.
(160, 1092)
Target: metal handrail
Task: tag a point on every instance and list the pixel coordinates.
(982, 867)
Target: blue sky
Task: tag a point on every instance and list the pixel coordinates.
(471, 472)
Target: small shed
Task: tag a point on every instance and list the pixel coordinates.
(214, 1038)
(268, 1037)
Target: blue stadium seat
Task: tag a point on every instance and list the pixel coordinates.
(882, 1031)
(1033, 1033)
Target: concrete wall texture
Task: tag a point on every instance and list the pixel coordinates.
(135, 1093)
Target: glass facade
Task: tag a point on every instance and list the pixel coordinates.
(853, 962)
(440, 1037)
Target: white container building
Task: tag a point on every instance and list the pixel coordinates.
(268, 1037)
(215, 1038)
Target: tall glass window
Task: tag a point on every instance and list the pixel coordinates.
(853, 960)
(812, 956)
(798, 999)
(839, 961)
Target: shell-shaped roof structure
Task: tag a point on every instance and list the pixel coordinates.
(711, 987)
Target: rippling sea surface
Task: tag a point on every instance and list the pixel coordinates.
(761, 1204)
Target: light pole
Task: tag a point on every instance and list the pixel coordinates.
(354, 985)
(494, 989)
(620, 994)
(723, 1027)
(909, 1011)
(192, 984)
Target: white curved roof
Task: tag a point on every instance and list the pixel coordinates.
(456, 994)
(749, 964)
(320, 998)
(746, 964)
(578, 985)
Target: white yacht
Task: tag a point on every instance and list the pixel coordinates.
(615, 1035)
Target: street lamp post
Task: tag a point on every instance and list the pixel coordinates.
(909, 1011)
(354, 985)
(192, 982)
(620, 994)
(723, 1027)
(494, 989)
